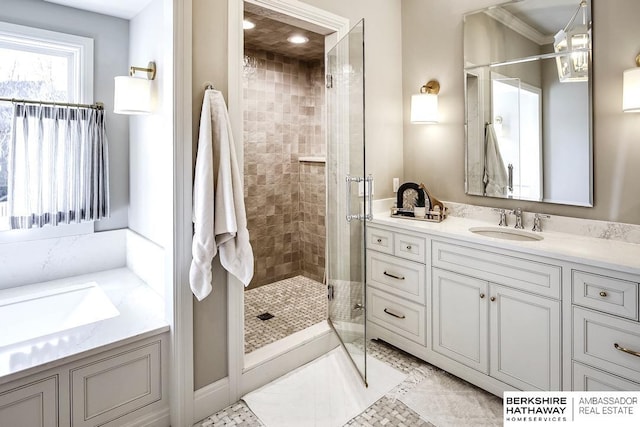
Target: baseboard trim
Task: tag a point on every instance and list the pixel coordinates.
(210, 399)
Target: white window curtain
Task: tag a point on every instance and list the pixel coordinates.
(58, 166)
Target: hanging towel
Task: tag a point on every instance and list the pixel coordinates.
(219, 217)
(495, 179)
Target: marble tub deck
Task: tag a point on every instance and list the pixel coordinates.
(141, 314)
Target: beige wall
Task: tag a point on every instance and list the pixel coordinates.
(209, 65)
(383, 128)
(383, 84)
(432, 48)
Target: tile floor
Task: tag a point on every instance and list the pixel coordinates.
(442, 399)
(295, 303)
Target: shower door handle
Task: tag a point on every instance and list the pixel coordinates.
(349, 180)
(368, 193)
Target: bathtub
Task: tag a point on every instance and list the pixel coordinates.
(40, 312)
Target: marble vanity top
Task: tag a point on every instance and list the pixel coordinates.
(601, 252)
(134, 312)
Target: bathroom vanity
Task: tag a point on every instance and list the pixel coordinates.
(557, 313)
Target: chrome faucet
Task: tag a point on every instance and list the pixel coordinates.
(518, 213)
(503, 217)
(537, 221)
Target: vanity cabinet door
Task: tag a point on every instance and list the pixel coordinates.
(34, 404)
(460, 318)
(525, 339)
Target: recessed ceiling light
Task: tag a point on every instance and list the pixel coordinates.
(247, 25)
(298, 39)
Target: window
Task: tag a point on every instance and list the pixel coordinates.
(41, 65)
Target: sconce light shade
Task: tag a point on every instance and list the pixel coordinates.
(424, 106)
(631, 89)
(132, 95)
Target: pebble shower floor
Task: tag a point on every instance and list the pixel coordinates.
(295, 303)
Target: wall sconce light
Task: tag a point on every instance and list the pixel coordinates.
(132, 95)
(424, 106)
(631, 89)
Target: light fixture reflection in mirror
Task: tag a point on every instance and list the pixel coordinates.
(631, 89)
(574, 40)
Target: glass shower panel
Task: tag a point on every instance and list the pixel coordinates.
(347, 185)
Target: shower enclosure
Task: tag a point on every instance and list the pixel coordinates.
(284, 125)
(305, 188)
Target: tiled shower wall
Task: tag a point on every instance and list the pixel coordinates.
(284, 198)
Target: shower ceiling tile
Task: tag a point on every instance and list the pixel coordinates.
(271, 35)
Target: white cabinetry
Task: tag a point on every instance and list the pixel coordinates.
(606, 331)
(33, 404)
(460, 320)
(396, 288)
(112, 388)
(511, 335)
(505, 319)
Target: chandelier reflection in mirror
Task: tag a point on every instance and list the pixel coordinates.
(250, 65)
(575, 41)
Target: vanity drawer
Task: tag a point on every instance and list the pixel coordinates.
(595, 336)
(586, 378)
(614, 296)
(380, 240)
(397, 276)
(409, 247)
(400, 316)
(533, 276)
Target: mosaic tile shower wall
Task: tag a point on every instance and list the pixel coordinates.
(283, 121)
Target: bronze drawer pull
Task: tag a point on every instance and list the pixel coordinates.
(379, 240)
(626, 350)
(603, 294)
(492, 298)
(481, 295)
(408, 247)
(399, 316)
(393, 275)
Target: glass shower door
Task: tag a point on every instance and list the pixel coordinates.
(348, 193)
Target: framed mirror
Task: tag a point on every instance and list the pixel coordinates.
(528, 67)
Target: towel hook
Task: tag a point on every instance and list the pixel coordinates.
(209, 85)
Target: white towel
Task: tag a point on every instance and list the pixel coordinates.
(495, 179)
(219, 217)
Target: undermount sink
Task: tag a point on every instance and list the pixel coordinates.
(506, 233)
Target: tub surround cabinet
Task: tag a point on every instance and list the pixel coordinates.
(500, 316)
(121, 386)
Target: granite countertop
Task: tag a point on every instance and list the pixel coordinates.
(601, 252)
(141, 314)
